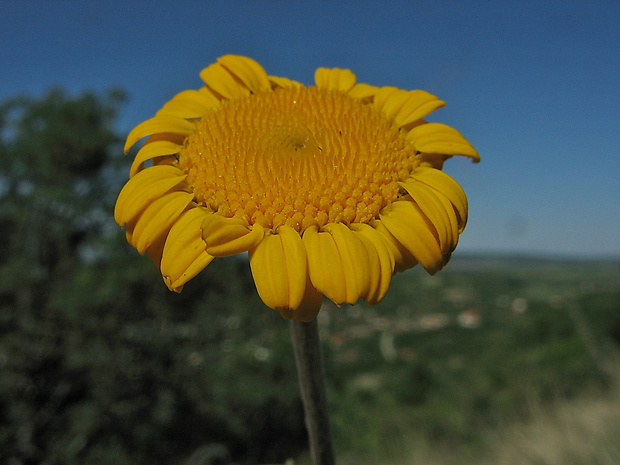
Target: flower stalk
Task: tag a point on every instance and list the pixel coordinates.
(309, 360)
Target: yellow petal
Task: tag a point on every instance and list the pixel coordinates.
(435, 211)
(362, 91)
(416, 105)
(403, 259)
(309, 307)
(389, 100)
(376, 244)
(375, 270)
(208, 98)
(229, 236)
(324, 264)
(433, 160)
(455, 226)
(334, 79)
(158, 124)
(184, 254)
(279, 269)
(152, 150)
(296, 264)
(356, 264)
(411, 228)
(269, 270)
(284, 82)
(189, 104)
(444, 184)
(154, 251)
(166, 136)
(441, 139)
(220, 79)
(145, 187)
(405, 107)
(157, 219)
(247, 71)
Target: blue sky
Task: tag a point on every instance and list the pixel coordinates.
(533, 85)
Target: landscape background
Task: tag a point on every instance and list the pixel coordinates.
(509, 355)
(498, 358)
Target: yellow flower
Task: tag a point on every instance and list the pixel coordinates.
(329, 188)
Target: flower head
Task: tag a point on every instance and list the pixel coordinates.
(330, 188)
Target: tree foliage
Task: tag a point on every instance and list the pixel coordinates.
(99, 362)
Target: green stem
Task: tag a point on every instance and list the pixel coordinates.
(308, 356)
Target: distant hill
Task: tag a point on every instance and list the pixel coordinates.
(472, 260)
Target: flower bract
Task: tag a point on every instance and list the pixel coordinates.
(330, 188)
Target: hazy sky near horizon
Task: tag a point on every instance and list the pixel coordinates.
(533, 85)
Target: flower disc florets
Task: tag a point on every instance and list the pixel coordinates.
(329, 188)
(308, 156)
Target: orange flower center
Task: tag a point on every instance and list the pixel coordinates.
(300, 157)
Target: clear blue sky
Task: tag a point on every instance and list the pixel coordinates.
(533, 85)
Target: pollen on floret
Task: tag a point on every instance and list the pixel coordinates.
(309, 157)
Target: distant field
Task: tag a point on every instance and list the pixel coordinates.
(505, 359)
(493, 361)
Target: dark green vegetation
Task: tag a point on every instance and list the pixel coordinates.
(101, 364)
(485, 343)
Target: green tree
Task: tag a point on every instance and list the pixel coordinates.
(99, 362)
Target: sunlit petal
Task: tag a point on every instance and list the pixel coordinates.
(444, 184)
(229, 236)
(279, 269)
(157, 124)
(435, 211)
(247, 71)
(221, 80)
(363, 91)
(334, 79)
(152, 150)
(309, 307)
(376, 244)
(409, 226)
(356, 263)
(157, 219)
(441, 139)
(284, 82)
(144, 188)
(189, 104)
(324, 264)
(184, 254)
(416, 105)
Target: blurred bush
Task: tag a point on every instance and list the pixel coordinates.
(99, 362)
